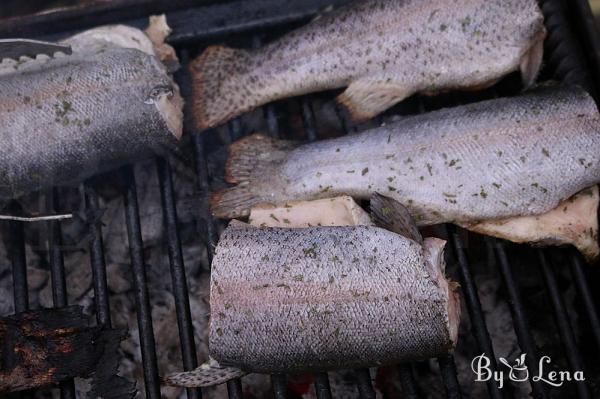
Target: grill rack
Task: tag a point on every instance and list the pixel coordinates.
(570, 61)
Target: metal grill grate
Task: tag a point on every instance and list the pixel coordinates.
(566, 60)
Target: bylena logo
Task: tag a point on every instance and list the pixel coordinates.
(518, 372)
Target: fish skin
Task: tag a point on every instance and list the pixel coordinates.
(327, 297)
(67, 118)
(495, 159)
(382, 50)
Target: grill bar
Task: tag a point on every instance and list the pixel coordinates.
(583, 288)
(474, 307)
(566, 56)
(16, 253)
(564, 327)
(449, 376)
(57, 275)
(204, 188)
(519, 318)
(84, 14)
(279, 384)
(57, 266)
(142, 299)
(272, 121)
(322, 388)
(97, 256)
(407, 381)
(178, 278)
(589, 34)
(365, 386)
(308, 118)
(235, 129)
(208, 232)
(234, 389)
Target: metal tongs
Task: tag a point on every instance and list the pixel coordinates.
(17, 48)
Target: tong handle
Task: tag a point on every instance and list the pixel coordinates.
(17, 48)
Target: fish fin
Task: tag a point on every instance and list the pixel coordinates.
(209, 374)
(366, 98)
(234, 202)
(392, 215)
(531, 63)
(215, 80)
(252, 153)
(251, 158)
(574, 221)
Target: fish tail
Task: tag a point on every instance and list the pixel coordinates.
(218, 85)
(208, 374)
(251, 160)
(233, 202)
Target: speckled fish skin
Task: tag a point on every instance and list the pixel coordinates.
(495, 159)
(67, 118)
(383, 50)
(289, 300)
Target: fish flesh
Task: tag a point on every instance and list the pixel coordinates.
(66, 118)
(574, 221)
(321, 298)
(381, 50)
(492, 160)
(339, 211)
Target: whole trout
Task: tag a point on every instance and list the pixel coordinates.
(381, 50)
(492, 160)
(319, 298)
(64, 119)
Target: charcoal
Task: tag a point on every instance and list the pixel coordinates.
(47, 346)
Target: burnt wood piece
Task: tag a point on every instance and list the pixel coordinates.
(48, 346)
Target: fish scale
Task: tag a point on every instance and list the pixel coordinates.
(289, 300)
(66, 118)
(495, 159)
(381, 50)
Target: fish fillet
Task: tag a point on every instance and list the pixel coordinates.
(340, 211)
(492, 160)
(318, 298)
(66, 118)
(381, 50)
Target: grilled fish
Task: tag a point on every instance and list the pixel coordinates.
(320, 298)
(381, 50)
(66, 118)
(492, 160)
